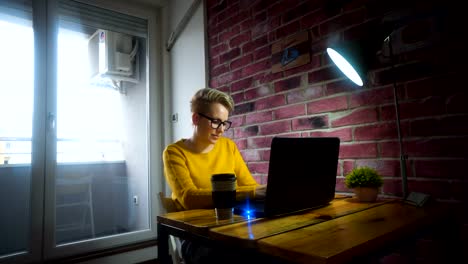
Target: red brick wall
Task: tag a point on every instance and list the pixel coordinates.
(316, 100)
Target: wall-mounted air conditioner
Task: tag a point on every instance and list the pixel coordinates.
(114, 55)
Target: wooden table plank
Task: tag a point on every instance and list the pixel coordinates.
(200, 220)
(338, 240)
(197, 222)
(247, 233)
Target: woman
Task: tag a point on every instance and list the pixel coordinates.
(189, 163)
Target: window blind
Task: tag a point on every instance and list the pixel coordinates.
(81, 14)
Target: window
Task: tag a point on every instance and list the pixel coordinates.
(74, 143)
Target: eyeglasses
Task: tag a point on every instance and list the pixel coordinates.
(216, 123)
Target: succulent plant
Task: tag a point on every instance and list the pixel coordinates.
(363, 177)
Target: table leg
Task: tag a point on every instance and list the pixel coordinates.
(163, 245)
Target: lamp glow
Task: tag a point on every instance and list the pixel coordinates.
(345, 66)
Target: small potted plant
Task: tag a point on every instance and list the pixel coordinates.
(365, 182)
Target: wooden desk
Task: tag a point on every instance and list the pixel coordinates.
(332, 234)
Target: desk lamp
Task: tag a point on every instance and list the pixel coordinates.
(354, 60)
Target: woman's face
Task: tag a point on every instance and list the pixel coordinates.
(204, 131)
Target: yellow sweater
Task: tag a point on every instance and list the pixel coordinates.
(189, 174)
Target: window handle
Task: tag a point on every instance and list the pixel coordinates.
(51, 119)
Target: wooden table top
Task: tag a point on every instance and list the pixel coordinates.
(339, 239)
(247, 233)
(331, 234)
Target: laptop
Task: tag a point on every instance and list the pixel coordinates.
(301, 175)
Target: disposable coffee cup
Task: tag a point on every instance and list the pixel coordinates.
(224, 194)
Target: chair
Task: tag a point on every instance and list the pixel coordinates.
(74, 209)
(174, 242)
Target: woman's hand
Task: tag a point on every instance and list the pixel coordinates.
(260, 191)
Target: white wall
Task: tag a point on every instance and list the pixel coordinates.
(188, 64)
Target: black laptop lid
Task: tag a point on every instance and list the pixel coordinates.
(301, 174)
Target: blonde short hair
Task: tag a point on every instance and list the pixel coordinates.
(203, 98)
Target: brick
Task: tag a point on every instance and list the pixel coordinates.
(314, 63)
(275, 128)
(435, 86)
(259, 142)
(228, 77)
(375, 132)
(458, 192)
(247, 25)
(214, 62)
(315, 122)
(243, 132)
(287, 84)
(237, 121)
(393, 186)
(371, 97)
(404, 72)
(258, 167)
(260, 91)
(216, 7)
(259, 117)
(228, 13)
(214, 41)
(256, 67)
(340, 87)
(387, 168)
(443, 126)
(435, 147)
(457, 104)
(358, 116)
(219, 70)
(239, 39)
(237, 97)
(344, 134)
(280, 6)
(424, 107)
(241, 143)
(228, 34)
(226, 57)
(268, 77)
(260, 17)
(339, 22)
(348, 166)
(289, 111)
(441, 169)
(244, 108)
(305, 94)
(324, 74)
(358, 150)
(287, 30)
(241, 85)
(296, 12)
(340, 186)
(218, 49)
(327, 105)
(262, 53)
(255, 44)
(260, 178)
(435, 188)
(250, 155)
(241, 62)
(260, 29)
(261, 6)
(313, 19)
(270, 102)
(275, 22)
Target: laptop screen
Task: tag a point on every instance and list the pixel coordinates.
(301, 174)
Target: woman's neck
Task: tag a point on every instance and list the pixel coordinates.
(198, 146)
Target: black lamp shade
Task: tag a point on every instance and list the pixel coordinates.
(353, 58)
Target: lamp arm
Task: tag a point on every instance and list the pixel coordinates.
(404, 177)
